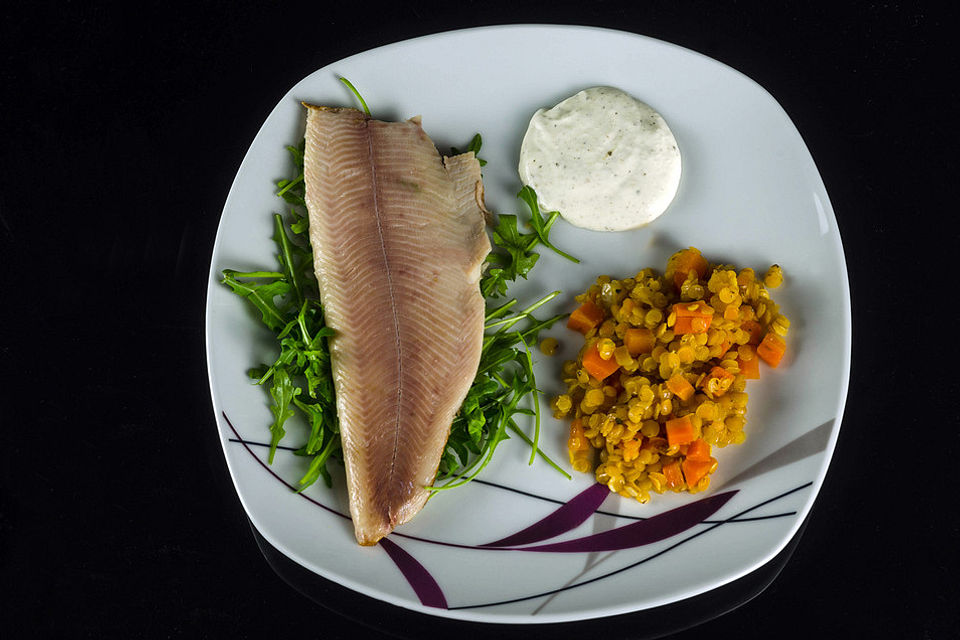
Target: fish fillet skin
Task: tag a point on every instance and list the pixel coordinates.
(399, 240)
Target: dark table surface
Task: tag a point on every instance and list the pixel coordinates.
(121, 128)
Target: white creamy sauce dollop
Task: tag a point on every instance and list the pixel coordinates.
(603, 159)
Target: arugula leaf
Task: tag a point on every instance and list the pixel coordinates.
(318, 466)
(300, 226)
(285, 257)
(504, 379)
(288, 302)
(505, 374)
(508, 237)
(494, 283)
(512, 256)
(282, 392)
(318, 417)
(356, 94)
(293, 190)
(261, 295)
(540, 226)
(475, 143)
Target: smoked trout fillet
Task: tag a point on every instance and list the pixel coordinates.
(399, 239)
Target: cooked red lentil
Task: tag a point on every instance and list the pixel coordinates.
(661, 377)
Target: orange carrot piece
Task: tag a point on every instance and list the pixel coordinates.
(724, 347)
(698, 450)
(673, 474)
(596, 366)
(639, 341)
(656, 443)
(691, 320)
(680, 387)
(724, 378)
(683, 325)
(750, 369)
(683, 262)
(631, 449)
(585, 317)
(692, 309)
(694, 470)
(755, 329)
(771, 349)
(680, 431)
(577, 441)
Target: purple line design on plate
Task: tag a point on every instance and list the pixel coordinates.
(424, 585)
(484, 547)
(273, 473)
(675, 545)
(569, 516)
(638, 534)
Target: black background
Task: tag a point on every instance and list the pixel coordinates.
(121, 128)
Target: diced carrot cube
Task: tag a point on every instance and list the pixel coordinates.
(639, 340)
(724, 347)
(755, 329)
(698, 450)
(587, 316)
(577, 441)
(631, 449)
(771, 349)
(683, 325)
(717, 382)
(680, 387)
(596, 365)
(683, 262)
(698, 308)
(695, 470)
(680, 431)
(692, 317)
(673, 474)
(749, 369)
(656, 443)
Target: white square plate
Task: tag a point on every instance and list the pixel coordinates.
(750, 195)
